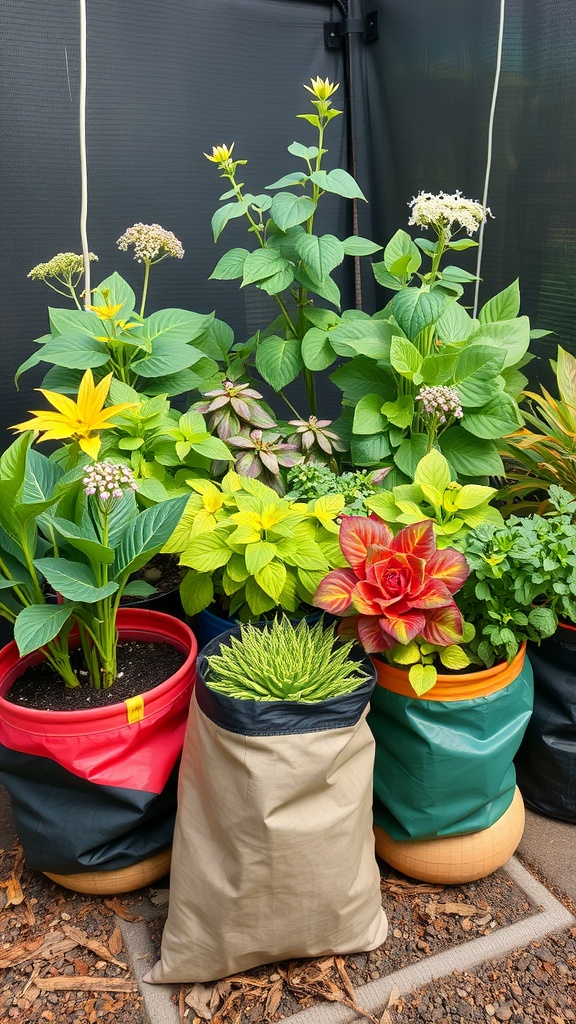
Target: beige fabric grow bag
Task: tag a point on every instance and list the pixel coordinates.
(273, 853)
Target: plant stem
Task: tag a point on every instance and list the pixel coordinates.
(145, 286)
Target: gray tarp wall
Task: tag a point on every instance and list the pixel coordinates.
(169, 79)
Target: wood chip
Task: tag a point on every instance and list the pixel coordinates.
(273, 999)
(81, 939)
(76, 983)
(115, 943)
(198, 998)
(43, 948)
(461, 909)
(400, 887)
(121, 911)
(392, 1000)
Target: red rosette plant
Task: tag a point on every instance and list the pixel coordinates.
(397, 596)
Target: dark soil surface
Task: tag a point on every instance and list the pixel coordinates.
(141, 667)
(162, 572)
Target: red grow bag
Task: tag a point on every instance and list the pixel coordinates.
(96, 789)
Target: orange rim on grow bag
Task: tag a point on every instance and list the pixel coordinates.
(456, 686)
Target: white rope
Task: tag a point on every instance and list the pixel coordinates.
(489, 152)
(83, 157)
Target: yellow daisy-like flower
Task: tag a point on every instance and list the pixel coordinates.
(220, 154)
(81, 420)
(322, 88)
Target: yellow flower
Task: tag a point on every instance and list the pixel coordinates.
(105, 312)
(322, 88)
(220, 154)
(80, 420)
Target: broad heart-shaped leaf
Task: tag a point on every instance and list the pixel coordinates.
(271, 578)
(13, 464)
(212, 448)
(261, 264)
(368, 417)
(167, 357)
(339, 182)
(369, 450)
(138, 588)
(118, 293)
(405, 357)
(400, 412)
(470, 456)
(294, 178)
(322, 254)
(317, 352)
(500, 416)
(481, 362)
(503, 306)
(184, 380)
(74, 322)
(77, 538)
(76, 352)
(174, 325)
(355, 245)
(279, 281)
(325, 288)
(385, 278)
(306, 152)
(399, 247)
(230, 266)
(37, 624)
(288, 210)
(279, 360)
(63, 379)
(438, 368)
(147, 534)
(410, 452)
(41, 477)
(196, 592)
(414, 309)
(73, 580)
(422, 678)
(509, 336)
(474, 393)
(433, 472)
(258, 555)
(365, 337)
(361, 376)
(457, 274)
(225, 214)
(257, 599)
(455, 324)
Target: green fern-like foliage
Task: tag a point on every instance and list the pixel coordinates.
(285, 662)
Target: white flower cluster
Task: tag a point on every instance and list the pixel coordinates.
(63, 265)
(151, 242)
(108, 480)
(447, 213)
(440, 401)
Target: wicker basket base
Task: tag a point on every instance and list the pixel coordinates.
(112, 883)
(455, 859)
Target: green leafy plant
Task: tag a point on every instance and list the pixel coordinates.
(452, 508)
(543, 452)
(290, 262)
(313, 480)
(396, 596)
(153, 354)
(284, 662)
(252, 551)
(523, 576)
(82, 535)
(433, 376)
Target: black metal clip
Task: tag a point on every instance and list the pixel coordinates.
(334, 31)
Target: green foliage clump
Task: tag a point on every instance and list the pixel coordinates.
(285, 662)
(314, 480)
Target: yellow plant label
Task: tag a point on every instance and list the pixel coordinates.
(134, 709)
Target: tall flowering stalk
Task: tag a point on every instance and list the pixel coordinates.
(152, 244)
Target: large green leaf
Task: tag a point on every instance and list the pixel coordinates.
(64, 380)
(365, 337)
(212, 448)
(405, 358)
(414, 309)
(317, 352)
(504, 306)
(339, 182)
(230, 266)
(455, 324)
(368, 417)
(184, 380)
(355, 245)
(118, 293)
(470, 456)
(207, 551)
(167, 357)
(401, 255)
(288, 210)
(147, 534)
(74, 322)
(325, 287)
(73, 580)
(226, 213)
(322, 254)
(261, 264)
(81, 352)
(13, 464)
(410, 452)
(196, 592)
(361, 376)
(175, 326)
(400, 412)
(483, 362)
(123, 513)
(271, 578)
(76, 537)
(500, 416)
(509, 336)
(279, 360)
(38, 624)
(369, 450)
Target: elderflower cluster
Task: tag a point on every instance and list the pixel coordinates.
(447, 213)
(63, 265)
(151, 242)
(108, 480)
(440, 401)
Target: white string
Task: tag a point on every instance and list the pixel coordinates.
(489, 152)
(83, 157)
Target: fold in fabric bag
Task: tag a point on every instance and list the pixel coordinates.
(273, 852)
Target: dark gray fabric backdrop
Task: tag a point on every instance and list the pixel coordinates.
(169, 79)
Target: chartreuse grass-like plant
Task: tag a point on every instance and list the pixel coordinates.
(285, 662)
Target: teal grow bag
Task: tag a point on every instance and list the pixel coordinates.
(444, 762)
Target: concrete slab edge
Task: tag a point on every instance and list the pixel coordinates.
(551, 916)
